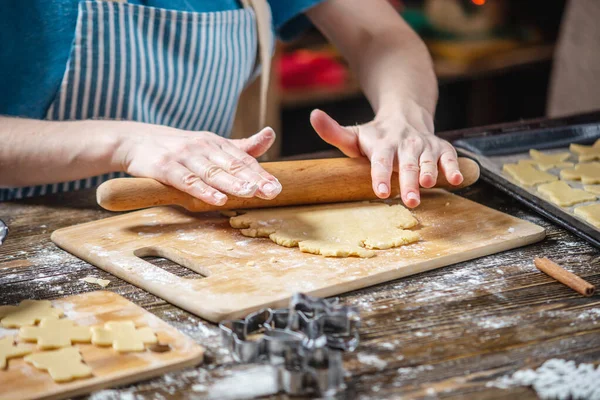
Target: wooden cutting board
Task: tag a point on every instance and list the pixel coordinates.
(243, 274)
(23, 381)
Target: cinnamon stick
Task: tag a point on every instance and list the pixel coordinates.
(565, 277)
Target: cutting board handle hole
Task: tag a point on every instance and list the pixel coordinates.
(172, 261)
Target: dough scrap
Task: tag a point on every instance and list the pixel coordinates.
(8, 349)
(545, 161)
(340, 230)
(102, 282)
(587, 173)
(123, 336)
(564, 195)
(527, 175)
(595, 189)
(55, 333)
(63, 365)
(28, 312)
(589, 213)
(586, 153)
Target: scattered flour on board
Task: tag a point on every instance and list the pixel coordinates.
(372, 360)
(556, 379)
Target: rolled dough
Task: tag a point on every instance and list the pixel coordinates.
(590, 213)
(545, 161)
(527, 175)
(595, 189)
(341, 230)
(564, 195)
(586, 173)
(586, 153)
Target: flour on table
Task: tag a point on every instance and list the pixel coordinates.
(342, 230)
(372, 360)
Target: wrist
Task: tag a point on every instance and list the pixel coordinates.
(407, 111)
(110, 142)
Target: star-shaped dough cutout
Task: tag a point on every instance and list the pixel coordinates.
(595, 189)
(8, 349)
(561, 193)
(545, 161)
(587, 173)
(527, 175)
(123, 336)
(63, 365)
(54, 333)
(28, 312)
(586, 153)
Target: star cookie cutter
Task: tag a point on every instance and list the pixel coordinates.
(305, 342)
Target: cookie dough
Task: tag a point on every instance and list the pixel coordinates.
(586, 153)
(8, 349)
(63, 365)
(545, 161)
(123, 336)
(341, 230)
(595, 189)
(587, 173)
(590, 213)
(101, 282)
(527, 175)
(564, 195)
(55, 333)
(28, 312)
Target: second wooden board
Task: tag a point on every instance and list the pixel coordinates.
(243, 274)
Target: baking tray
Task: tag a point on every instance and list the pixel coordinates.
(492, 152)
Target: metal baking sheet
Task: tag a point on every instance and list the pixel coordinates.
(492, 152)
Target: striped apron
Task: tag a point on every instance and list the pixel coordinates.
(185, 70)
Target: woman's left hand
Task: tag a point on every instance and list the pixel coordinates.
(403, 142)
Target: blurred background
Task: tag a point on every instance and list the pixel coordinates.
(493, 60)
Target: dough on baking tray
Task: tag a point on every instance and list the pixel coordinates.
(8, 349)
(527, 175)
(545, 161)
(564, 195)
(587, 173)
(123, 336)
(595, 189)
(589, 213)
(28, 312)
(63, 365)
(340, 230)
(55, 333)
(586, 153)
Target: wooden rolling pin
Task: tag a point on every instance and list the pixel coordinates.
(304, 182)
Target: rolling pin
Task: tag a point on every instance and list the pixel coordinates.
(330, 180)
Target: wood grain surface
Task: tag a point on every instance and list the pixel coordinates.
(243, 274)
(23, 381)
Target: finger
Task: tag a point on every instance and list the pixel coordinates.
(215, 176)
(449, 165)
(428, 168)
(382, 163)
(183, 179)
(258, 144)
(250, 170)
(345, 139)
(409, 171)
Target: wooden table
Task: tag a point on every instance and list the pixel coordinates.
(445, 333)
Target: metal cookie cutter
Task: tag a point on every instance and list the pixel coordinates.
(305, 342)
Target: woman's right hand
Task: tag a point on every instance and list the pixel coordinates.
(201, 164)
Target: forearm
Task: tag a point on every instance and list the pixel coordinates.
(37, 152)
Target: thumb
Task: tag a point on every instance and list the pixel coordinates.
(345, 139)
(257, 144)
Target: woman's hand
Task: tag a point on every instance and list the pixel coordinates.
(403, 142)
(201, 164)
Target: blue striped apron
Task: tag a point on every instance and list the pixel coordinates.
(129, 62)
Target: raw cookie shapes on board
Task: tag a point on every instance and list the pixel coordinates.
(123, 336)
(63, 365)
(8, 349)
(587, 173)
(527, 175)
(546, 161)
(586, 153)
(590, 213)
(564, 195)
(28, 312)
(342, 230)
(55, 333)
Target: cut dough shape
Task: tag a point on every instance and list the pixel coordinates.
(63, 365)
(123, 336)
(586, 153)
(564, 195)
(590, 213)
(102, 282)
(587, 173)
(55, 333)
(595, 189)
(340, 230)
(527, 175)
(8, 349)
(28, 312)
(545, 161)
